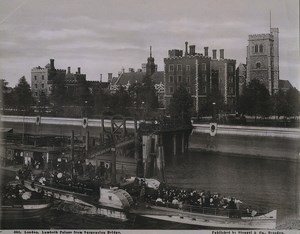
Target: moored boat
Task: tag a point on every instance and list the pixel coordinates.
(209, 217)
(19, 204)
(112, 202)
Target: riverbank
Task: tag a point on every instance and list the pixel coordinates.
(267, 147)
(245, 155)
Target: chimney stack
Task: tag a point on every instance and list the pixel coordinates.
(69, 70)
(192, 49)
(214, 54)
(100, 77)
(109, 79)
(206, 51)
(78, 70)
(186, 48)
(52, 64)
(221, 53)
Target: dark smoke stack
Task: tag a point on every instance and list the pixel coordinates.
(100, 77)
(192, 49)
(206, 51)
(214, 54)
(78, 70)
(69, 70)
(186, 48)
(221, 53)
(52, 64)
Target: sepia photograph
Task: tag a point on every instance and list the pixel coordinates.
(136, 116)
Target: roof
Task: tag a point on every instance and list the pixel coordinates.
(94, 83)
(284, 84)
(133, 77)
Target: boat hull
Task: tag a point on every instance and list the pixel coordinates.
(23, 212)
(266, 221)
(85, 204)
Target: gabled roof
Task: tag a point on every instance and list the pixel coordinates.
(133, 77)
(284, 84)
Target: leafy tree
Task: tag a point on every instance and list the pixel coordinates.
(143, 96)
(207, 108)
(293, 101)
(42, 102)
(82, 94)
(8, 97)
(23, 95)
(58, 95)
(100, 100)
(280, 104)
(255, 100)
(120, 101)
(181, 104)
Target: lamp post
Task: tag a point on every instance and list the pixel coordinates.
(143, 110)
(85, 108)
(214, 111)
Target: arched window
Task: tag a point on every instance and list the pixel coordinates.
(256, 48)
(261, 48)
(258, 65)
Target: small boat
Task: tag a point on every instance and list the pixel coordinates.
(28, 206)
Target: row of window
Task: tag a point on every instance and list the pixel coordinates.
(171, 89)
(35, 77)
(42, 86)
(185, 79)
(258, 48)
(203, 89)
(187, 67)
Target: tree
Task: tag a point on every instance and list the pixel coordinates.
(181, 104)
(8, 97)
(255, 100)
(293, 102)
(42, 102)
(143, 96)
(280, 104)
(23, 95)
(58, 95)
(214, 97)
(120, 101)
(100, 100)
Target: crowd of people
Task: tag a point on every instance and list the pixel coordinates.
(189, 199)
(16, 192)
(163, 196)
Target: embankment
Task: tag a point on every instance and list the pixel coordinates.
(262, 142)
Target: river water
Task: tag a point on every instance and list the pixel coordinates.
(264, 183)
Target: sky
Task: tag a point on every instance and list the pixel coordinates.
(103, 36)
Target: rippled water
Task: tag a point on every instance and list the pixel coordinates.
(267, 184)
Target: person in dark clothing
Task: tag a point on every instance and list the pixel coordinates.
(232, 207)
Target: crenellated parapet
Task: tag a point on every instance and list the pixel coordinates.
(187, 56)
(264, 36)
(39, 69)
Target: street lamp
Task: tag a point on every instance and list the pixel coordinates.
(214, 111)
(143, 110)
(85, 108)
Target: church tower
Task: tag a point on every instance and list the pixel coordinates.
(263, 59)
(150, 66)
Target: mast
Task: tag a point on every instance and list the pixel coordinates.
(270, 20)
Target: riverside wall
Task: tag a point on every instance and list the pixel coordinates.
(262, 142)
